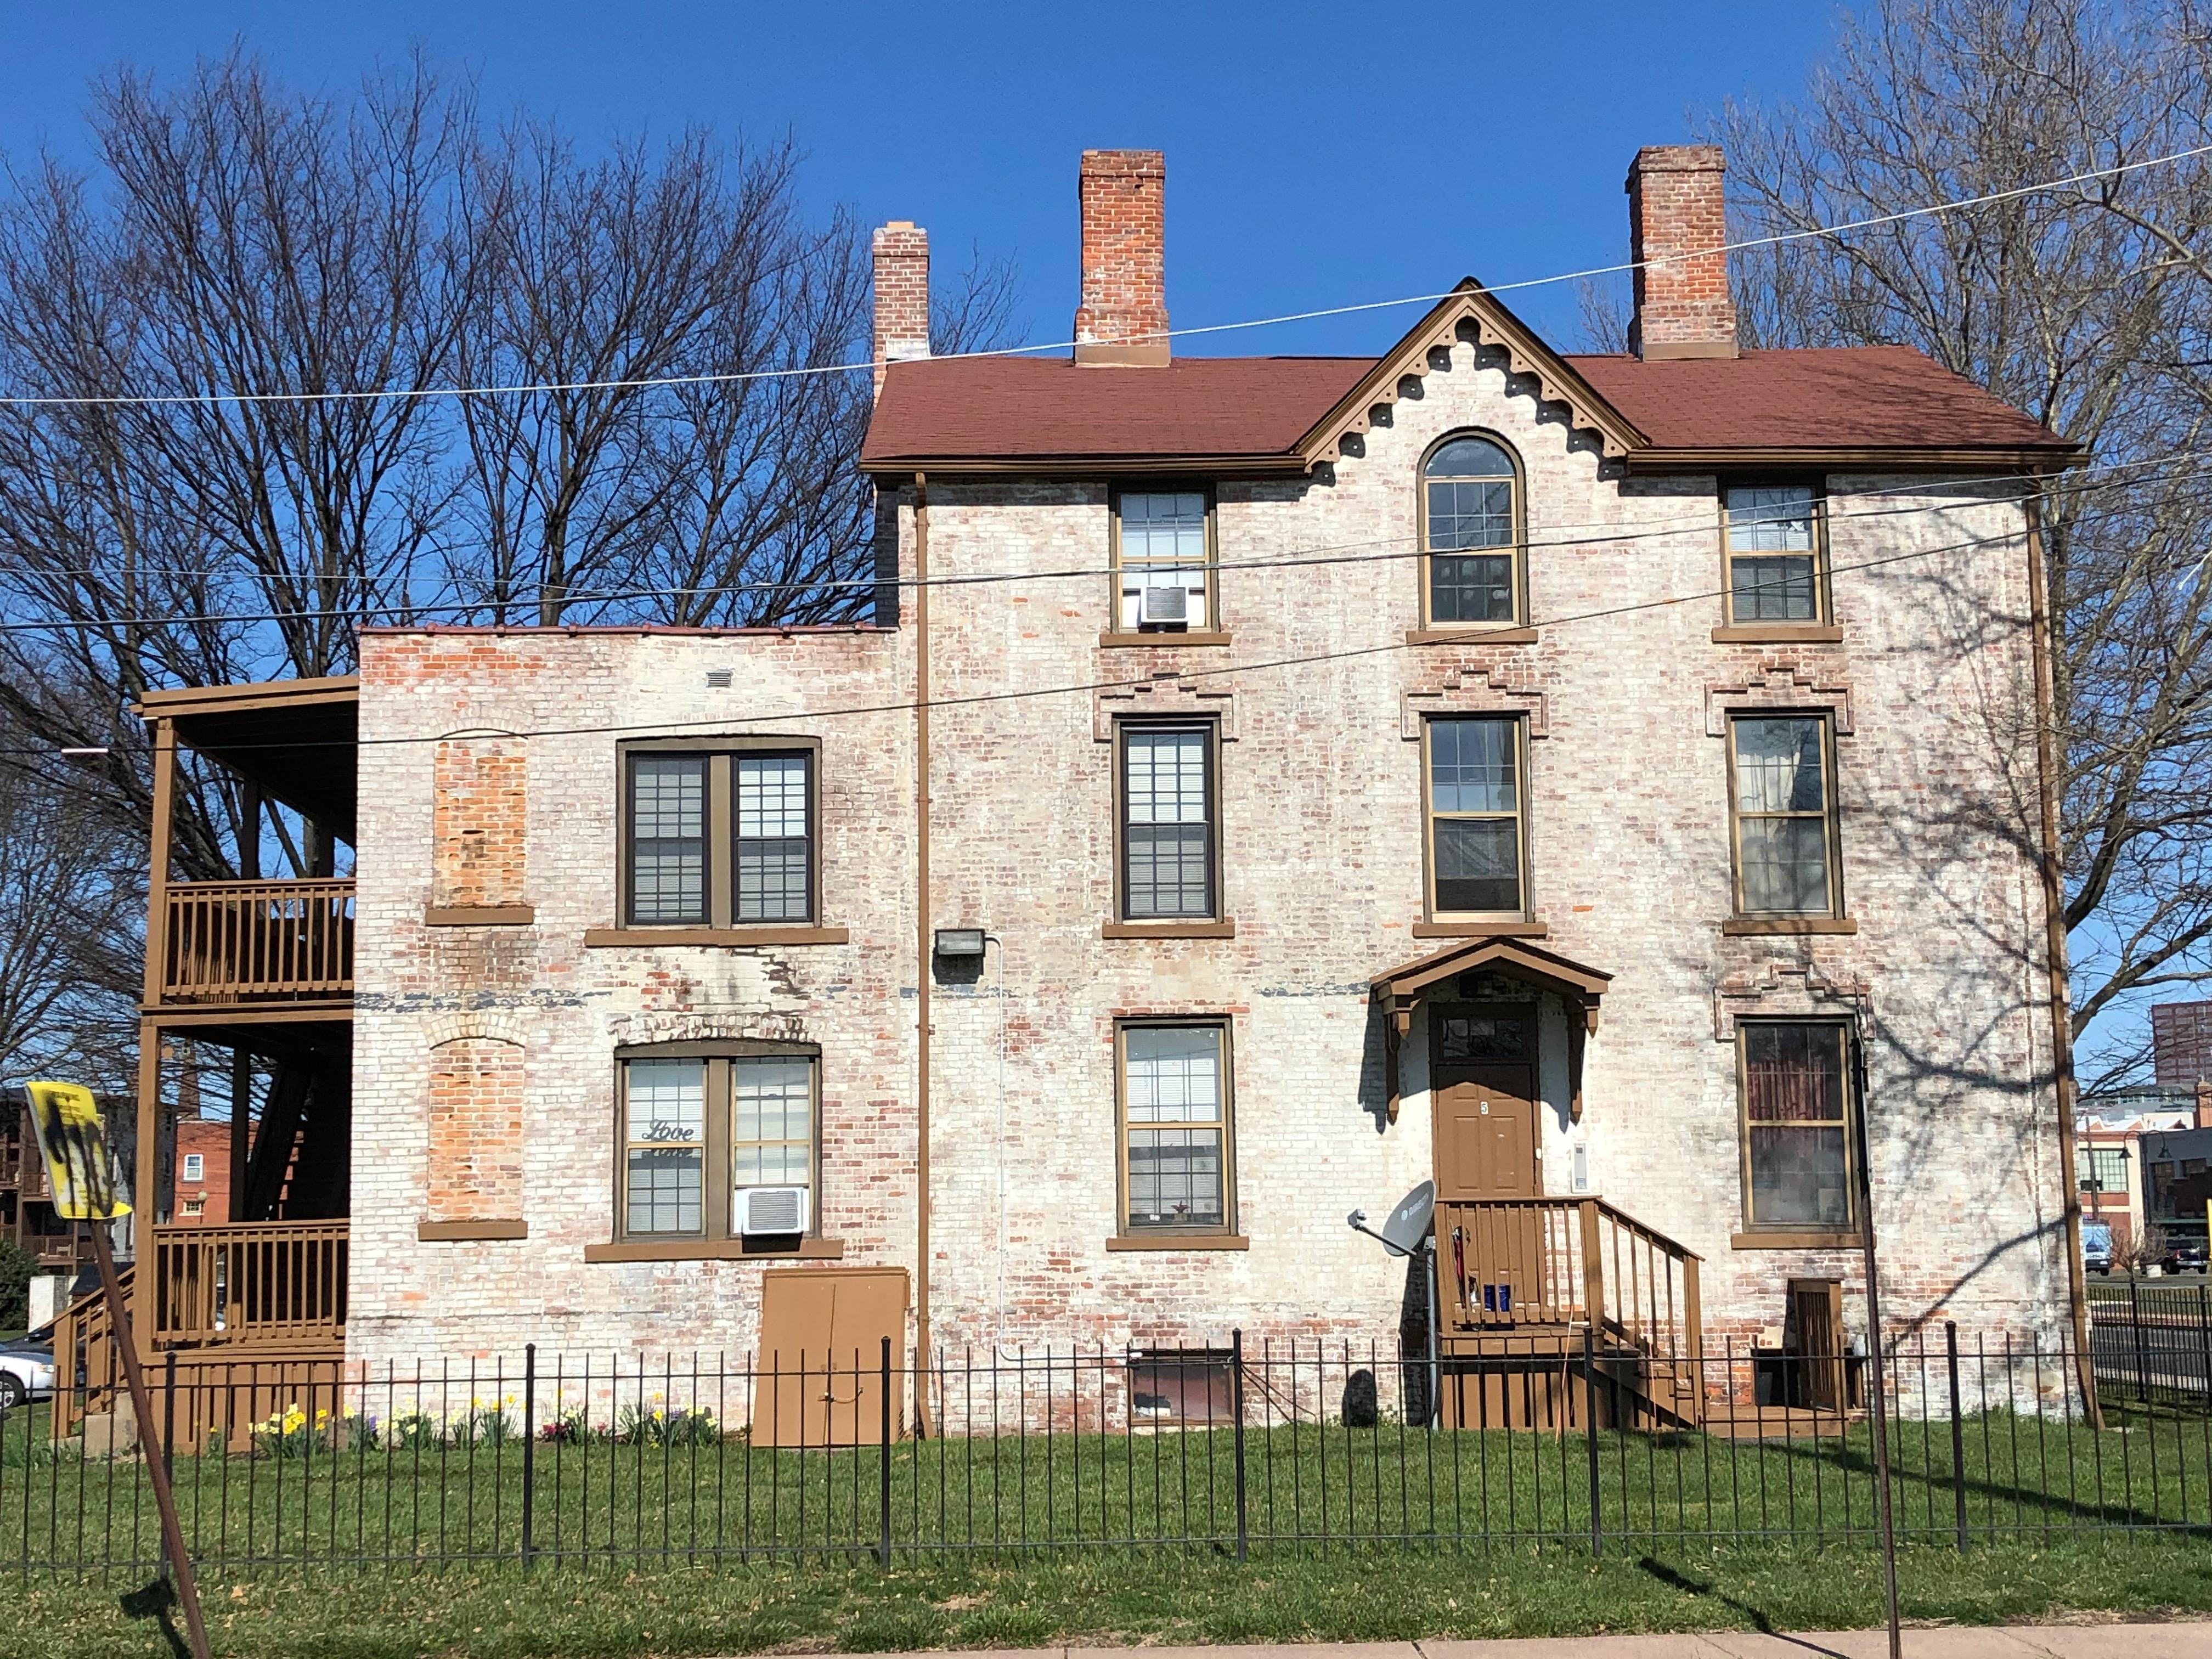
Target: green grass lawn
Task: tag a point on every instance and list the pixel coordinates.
(1203, 1597)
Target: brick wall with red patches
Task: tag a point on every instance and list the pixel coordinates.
(474, 1164)
(477, 823)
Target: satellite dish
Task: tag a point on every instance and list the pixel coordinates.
(1404, 1233)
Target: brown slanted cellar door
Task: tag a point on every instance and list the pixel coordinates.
(819, 1377)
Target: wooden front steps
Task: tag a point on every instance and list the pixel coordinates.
(1724, 1422)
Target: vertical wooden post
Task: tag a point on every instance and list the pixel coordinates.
(1593, 1265)
(1693, 1339)
(923, 950)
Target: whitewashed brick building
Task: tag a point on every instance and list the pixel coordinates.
(1604, 785)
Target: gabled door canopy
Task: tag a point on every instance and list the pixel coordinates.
(1575, 984)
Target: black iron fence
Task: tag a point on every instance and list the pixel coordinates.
(1259, 1447)
(2153, 1341)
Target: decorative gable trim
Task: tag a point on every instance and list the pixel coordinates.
(1166, 695)
(1557, 382)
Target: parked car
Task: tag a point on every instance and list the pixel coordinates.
(2184, 1255)
(2097, 1247)
(26, 1373)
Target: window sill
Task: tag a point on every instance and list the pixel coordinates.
(712, 1250)
(1169, 930)
(1180, 1242)
(1471, 636)
(434, 1233)
(1477, 929)
(480, 916)
(608, 939)
(1744, 926)
(1118, 641)
(1814, 1238)
(1778, 633)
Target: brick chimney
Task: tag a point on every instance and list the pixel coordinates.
(2205, 1103)
(1123, 197)
(1683, 308)
(902, 277)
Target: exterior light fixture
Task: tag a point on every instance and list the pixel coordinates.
(956, 942)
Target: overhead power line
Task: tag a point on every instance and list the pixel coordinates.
(646, 383)
(1394, 548)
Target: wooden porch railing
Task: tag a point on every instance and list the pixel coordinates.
(258, 941)
(270, 1283)
(1508, 1264)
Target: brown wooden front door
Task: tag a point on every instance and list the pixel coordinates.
(1483, 1078)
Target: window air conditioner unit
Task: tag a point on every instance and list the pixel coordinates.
(1164, 604)
(771, 1210)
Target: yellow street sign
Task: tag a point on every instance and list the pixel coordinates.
(65, 1117)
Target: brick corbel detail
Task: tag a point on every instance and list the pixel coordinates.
(1774, 988)
(638, 1031)
(1781, 685)
(1475, 691)
(1166, 695)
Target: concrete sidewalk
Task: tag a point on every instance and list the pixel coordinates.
(2191, 1640)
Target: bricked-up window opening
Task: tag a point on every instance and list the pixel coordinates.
(1782, 773)
(773, 859)
(1167, 840)
(1470, 515)
(668, 838)
(1162, 546)
(1175, 1126)
(665, 1162)
(1476, 849)
(711, 1124)
(1192, 1387)
(2106, 1171)
(1798, 1139)
(1773, 554)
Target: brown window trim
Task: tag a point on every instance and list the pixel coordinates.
(716, 1147)
(1459, 924)
(1831, 811)
(1803, 1238)
(1224, 928)
(721, 836)
(711, 1250)
(1820, 628)
(1778, 633)
(608, 939)
(1798, 1235)
(1122, 918)
(1473, 634)
(1178, 1238)
(443, 1231)
(1117, 641)
(1535, 928)
(1436, 633)
(1178, 1242)
(1212, 633)
(480, 916)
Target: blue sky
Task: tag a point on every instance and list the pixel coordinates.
(1317, 155)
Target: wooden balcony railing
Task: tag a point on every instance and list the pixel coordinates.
(264, 1283)
(259, 941)
(1505, 1264)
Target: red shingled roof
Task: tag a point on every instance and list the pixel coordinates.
(1034, 410)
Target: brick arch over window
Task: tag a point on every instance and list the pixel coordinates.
(474, 1185)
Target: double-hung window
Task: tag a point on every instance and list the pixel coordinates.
(1775, 570)
(1476, 852)
(720, 838)
(1471, 534)
(1170, 824)
(1782, 781)
(1800, 1156)
(1175, 1171)
(717, 1145)
(1163, 544)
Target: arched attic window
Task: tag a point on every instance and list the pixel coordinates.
(1471, 534)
